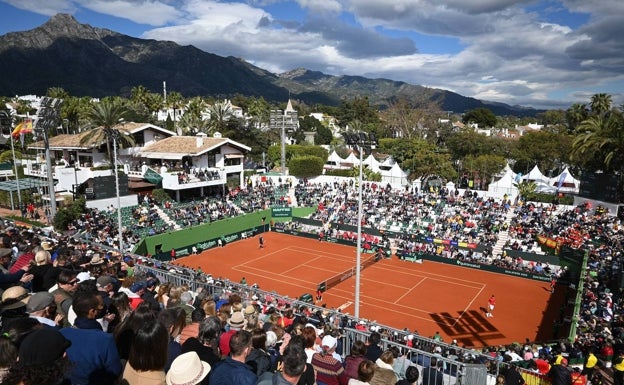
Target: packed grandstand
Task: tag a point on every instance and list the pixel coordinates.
(82, 263)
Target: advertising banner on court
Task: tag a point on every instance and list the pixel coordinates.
(281, 212)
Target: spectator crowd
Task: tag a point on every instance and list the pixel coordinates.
(73, 312)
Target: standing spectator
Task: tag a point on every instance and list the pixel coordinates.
(353, 360)
(148, 355)
(67, 283)
(366, 372)
(373, 351)
(236, 323)
(294, 365)
(174, 322)
(41, 307)
(618, 369)
(559, 374)
(258, 358)
(432, 375)
(188, 369)
(233, 370)
(14, 301)
(93, 353)
(411, 376)
(590, 364)
(206, 343)
(37, 366)
(44, 274)
(329, 370)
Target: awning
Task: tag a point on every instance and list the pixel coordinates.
(234, 156)
(162, 155)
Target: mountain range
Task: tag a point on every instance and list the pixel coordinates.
(90, 61)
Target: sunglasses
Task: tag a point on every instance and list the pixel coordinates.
(74, 282)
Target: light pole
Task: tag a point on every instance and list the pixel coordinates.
(275, 117)
(114, 134)
(48, 117)
(362, 142)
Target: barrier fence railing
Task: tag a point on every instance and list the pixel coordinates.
(423, 346)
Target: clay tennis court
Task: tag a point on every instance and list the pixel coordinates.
(425, 297)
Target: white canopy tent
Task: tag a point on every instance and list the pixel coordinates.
(565, 182)
(353, 159)
(535, 175)
(372, 163)
(395, 176)
(335, 158)
(505, 185)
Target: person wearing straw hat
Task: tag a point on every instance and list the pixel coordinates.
(236, 322)
(188, 369)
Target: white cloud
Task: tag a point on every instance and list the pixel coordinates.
(142, 12)
(506, 53)
(47, 8)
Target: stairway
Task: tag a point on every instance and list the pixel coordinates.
(503, 236)
(166, 218)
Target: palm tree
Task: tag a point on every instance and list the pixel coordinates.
(600, 104)
(220, 113)
(106, 117)
(575, 115)
(175, 101)
(601, 138)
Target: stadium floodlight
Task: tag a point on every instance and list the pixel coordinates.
(362, 142)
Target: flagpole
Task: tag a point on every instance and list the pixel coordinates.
(19, 193)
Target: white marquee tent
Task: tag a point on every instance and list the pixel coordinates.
(395, 176)
(565, 182)
(372, 163)
(535, 175)
(505, 185)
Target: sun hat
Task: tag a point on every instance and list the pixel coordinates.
(96, 260)
(31, 352)
(5, 252)
(39, 301)
(250, 309)
(237, 320)
(187, 369)
(14, 297)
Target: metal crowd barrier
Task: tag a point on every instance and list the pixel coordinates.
(470, 367)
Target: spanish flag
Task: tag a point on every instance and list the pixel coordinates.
(23, 128)
(17, 130)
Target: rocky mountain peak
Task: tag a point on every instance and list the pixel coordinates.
(60, 26)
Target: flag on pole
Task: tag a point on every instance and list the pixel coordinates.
(27, 127)
(17, 130)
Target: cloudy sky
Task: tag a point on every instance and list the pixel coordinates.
(540, 53)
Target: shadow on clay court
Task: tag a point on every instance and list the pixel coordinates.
(472, 329)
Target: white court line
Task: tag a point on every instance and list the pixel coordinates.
(444, 277)
(409, 291)
(468, 307)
